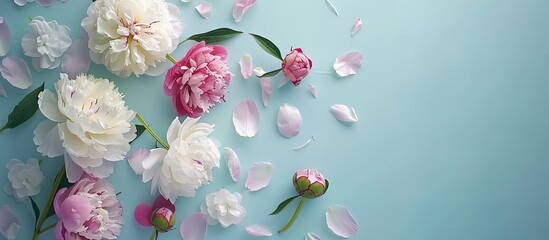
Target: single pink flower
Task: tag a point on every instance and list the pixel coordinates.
(199, 80)
(296, 66)
(88, 210)
(161, 215)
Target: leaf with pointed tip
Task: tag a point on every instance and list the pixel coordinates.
(24, 110)
(283, 205)
(271, 73)
(268, 46)
(214, 36)
(36, 211)
(140, 130)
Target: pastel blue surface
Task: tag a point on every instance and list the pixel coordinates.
(453, 137)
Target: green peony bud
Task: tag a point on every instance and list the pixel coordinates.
(163, 219)
(309, 183)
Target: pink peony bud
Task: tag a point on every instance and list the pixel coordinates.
(309, 183)
(163, 219)
(296, 66)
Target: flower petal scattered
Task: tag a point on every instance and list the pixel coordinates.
(332, 7)
(45, 43)
(246, 118)
(344, 113)
(194, 227)
(240, 7)
(356, 27)
(266, 91)
(223, 207)
(348, 64)
(340, 221)
(246, 65)
(9, 224)
(204, 9)
(16, 72)
(77, 59)
(142, 214)
(289, 120)
(259, 230)
(5, 37)
(259, 176)
(24, 179)
(136, 160)
(45, 3)
(312, 89)
(233, 163)
(312, 236)
(258, 71)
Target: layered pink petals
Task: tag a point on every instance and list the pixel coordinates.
(348, 64)
(296, 66)
(259, 230)
(246, 65)
(77, 59)
(204, 9)
(340, 221)
(246, 118)
(5, 37)
(289, 120)
(240, 7)
(194, 227)
(259, 176)
(16, 72)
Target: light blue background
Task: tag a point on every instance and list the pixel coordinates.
(453, 138)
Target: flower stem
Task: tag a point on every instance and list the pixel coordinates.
(153, 134)
(294, 217)
(169, 57)
(56, 183)
(154, 235)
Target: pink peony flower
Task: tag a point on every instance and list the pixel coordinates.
(199, 80)
(161, 215)
(296, 66)
(88, 210)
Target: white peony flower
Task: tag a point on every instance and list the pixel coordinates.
(25, 179)
(132, 36)
(45, 43)
(88, 123)
(187, 165)
(223, 207)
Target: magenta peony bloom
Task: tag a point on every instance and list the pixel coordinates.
(161, 215)
(88, 210)
(199, 80)
(296, 66)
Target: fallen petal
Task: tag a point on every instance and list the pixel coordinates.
(333, 7)
(258, 71)
(259, 230)
(77, 59)
(312, 89)
(344, 113)
(282, 82)
(240, 7)
(142, 214)
(5, 37)
(3, 91)
(9, 224)
(233, 163)
(259, 176)
(356, 27)
(246, 65)
(186, 1)
(312, 236)
(266, 91)
(194, 227)
(340, 221)
(16, 71)
(348, 64)
(289, 120)
(204, 9)
(45, 3)
(246, 118)
(136, 160)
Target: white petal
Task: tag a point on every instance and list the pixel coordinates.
(3, 91)
(194, 227)
(312, 89)
(233, 163)
(246, 118)
(240, 7)
(46, 137)
(348, 64)
(77, 59)
(289, 120)
(204, 9)
(186, 1)
(74, 172)
(152, 163)
(266, 91)
(136, 160)
(47, 102)
(332, 7)
(340, 221)
(282, 82)
(9, 224)
(356, 27)
(5, 37)
(312, 236)
(344, 113)
(259, 176)
(259, 230)
(258, 71)
(246, 65)
(16, 71)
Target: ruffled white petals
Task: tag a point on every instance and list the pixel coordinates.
(332, 7)
(77, 59)
(45, 43)
(344, 113)
(246, 65)
(5, 37)
(259, 176)
(356, 27)
(289, 120)
(259, 230)
(240, 7)
(136, 160)
(16, 72)
(312, 236)
(223, 207)
(204, 9)
(312, 89)
(25, 179)
(48, 104)
(340, 221)
(233, 163)
(194, 227)
(266, 91)
(349, 63)
(46, 137)
(9, 224)
(3, 91)
(246, 118)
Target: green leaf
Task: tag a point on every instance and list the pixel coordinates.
(36, 211)
(268, 46)
(24, 110)
(63, 184)
(140, 130)
(283, 205)
(327, 185)
(271, 73)
(214, 36)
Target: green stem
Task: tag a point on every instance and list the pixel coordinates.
(294, 217)
(153, 134)
(183, 42)
(153, 235)
(56, 183)
(47, 228)
(169, 57)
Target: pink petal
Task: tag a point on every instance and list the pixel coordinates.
(259, 176)
(45, 3)
(266, 91)
(204, 9)
(246, 65)
(356, 27)
(259, 230)
(77, 59)
(246, 118)
(74, 211)
(312, 89)
(5, 37)
(344, 113)
(194, 227)
(240, 7)
(289, 120)
(142, 214)
(9, 224)
(312, 236)
(348, 64)
(3, 91)
(136, 160)
(16, 71)
(160, 201)
(340, 221)
(233, 163)
(282, 82)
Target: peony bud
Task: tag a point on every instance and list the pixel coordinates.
(163, 219)
(309, 183)
(296, 66)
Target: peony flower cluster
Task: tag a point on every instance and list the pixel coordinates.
(132, 36)
(199, 80)
(88, 210)
(88, 123)
(25, 179)
(223, 207)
